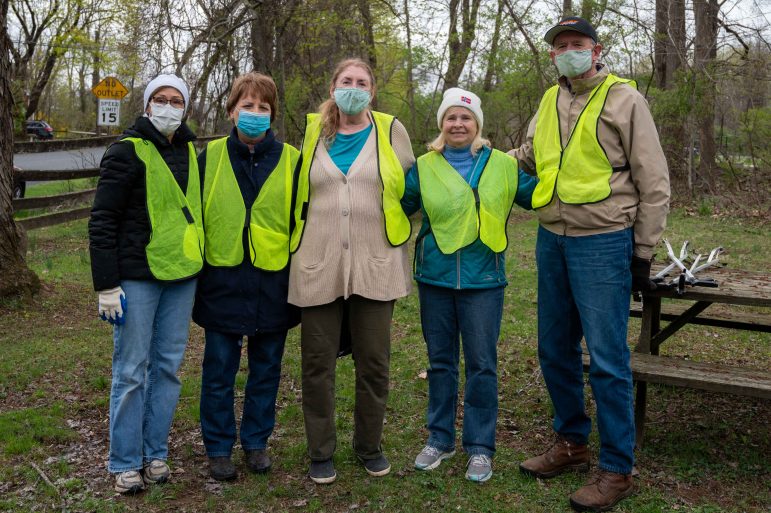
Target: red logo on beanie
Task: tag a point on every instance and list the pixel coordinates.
(569, 22)
(465, 99)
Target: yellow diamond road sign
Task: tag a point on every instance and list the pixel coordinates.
(109, 88)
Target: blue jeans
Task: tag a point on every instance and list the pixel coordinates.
(584, 286)
(473, 316)
(148, 351)
(221, 359)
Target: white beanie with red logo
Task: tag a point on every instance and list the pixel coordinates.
(457, 97)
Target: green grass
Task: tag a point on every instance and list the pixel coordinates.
(703, 452)
(59, 187)
(23, 430)
(55, 188)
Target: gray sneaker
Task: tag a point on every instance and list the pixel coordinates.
(430, 457)
(377, 467)
(322, 472)
(156, 472)
(129, 482)
(479, 468)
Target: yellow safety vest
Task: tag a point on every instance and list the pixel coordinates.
(397, 225)
(225, 214)
(459, 215)
(176, 246)
(582, 166)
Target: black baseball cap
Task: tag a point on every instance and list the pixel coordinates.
(574, 23)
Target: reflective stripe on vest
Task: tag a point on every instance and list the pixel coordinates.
(456, 218)
(397, 225)
(176, 246)
(225, 212)
(582, 166)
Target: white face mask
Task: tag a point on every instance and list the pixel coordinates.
(165, 118)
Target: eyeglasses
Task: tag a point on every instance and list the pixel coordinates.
(175, 102)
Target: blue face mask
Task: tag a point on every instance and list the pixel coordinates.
(573, 62)
(352, 100)
(252, 124)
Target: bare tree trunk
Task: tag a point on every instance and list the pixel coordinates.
(669, 51)
(459, 42)
(660, 47)
(493, 56)
(263, 28)
(369, 33)
(705, 51)
(280, 78)
(410, 66)
(676, 41)
(95, 71)
(567, 8)
(15, 277)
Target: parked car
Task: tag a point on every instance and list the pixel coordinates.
(40, 129)
(19, 185)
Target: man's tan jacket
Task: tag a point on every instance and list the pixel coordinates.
(640, 196)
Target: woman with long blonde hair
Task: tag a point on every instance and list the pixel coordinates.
(350, 262)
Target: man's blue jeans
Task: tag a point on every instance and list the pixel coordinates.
(221, 359)
(473, 316)
(148, 351)
(584, 287)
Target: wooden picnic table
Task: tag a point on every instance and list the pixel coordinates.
(735, 287)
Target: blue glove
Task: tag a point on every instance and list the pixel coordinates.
(112, 305)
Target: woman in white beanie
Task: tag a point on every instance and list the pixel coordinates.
(465, 191)
(350, 261)
(146, 243)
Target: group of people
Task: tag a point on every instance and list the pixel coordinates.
(252, 237)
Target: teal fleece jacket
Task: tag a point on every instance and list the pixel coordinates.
(474, 267)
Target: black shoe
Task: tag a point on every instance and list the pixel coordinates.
(377, 467)
(323, 472)
(257, 461)
(222, 469)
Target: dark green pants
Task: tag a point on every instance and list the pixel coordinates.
(369, 322)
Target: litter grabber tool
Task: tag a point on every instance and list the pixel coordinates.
(687, 276)
(664, 272)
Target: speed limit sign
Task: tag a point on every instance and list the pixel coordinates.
(109, 113)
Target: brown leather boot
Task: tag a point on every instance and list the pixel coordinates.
(602, 491)
(562, 456)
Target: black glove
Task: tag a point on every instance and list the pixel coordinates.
(641, 275)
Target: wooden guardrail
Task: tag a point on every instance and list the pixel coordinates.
(43, 146)
(65, 200)
(58, 201)
(62, 144)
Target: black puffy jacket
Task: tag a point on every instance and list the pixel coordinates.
(119, 228)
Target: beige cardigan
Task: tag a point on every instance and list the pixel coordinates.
(344, 249)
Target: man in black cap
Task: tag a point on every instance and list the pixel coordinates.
(602, 201)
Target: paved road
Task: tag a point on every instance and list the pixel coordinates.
(71, 159)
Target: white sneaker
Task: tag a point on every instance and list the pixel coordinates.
(430, 457)
(480, 468)
(129, 482)
(156, 472)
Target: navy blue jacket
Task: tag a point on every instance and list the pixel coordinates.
(242, 300)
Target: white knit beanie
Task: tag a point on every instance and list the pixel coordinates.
(457, 97)
(167, 81)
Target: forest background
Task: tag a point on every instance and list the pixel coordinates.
(702, 64)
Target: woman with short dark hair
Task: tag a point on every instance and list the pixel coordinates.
(247, 196)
